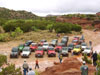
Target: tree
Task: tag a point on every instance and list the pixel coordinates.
(50, 27)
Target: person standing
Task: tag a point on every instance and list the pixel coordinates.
(25, 67)
(60, 58)
(31, 72)
(90, 42)
(36, 64)
(84, 69)
(94, 57)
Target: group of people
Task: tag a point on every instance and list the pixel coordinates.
(28, 70)
(84, 68)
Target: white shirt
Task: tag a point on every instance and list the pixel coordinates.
(31, 73)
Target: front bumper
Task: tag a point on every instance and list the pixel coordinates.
(38, 55)
(25, 56)
(76, 52)
(64, 54)
(13, 56)
(52, 55)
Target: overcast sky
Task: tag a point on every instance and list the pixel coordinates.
(44, 7)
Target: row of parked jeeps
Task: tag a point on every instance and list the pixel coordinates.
(77, 46)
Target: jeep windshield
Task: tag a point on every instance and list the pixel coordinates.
(14, 50)
(26, 49)
(88, 48)
(45, 44)
(74, 41)
(40, 49)
(60, 44)
(65, 48)
(70, 45)
(51, 49)
(84, 44)
(77, 46)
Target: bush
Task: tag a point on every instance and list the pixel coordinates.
(85, 58)
(98, 66)
(50, 27)
(4, 37)
(3, 59)
(17, 32)
(34, 28)
(11, 70)
(76, 28)
(62, 27)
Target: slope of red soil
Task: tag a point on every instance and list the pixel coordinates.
(70, 66)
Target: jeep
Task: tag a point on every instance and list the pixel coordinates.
(20, 47)
(77, 49)
(54, 42)
(45, 46)
(88, 51)
(33, 47)
(26, 52)
(75, 42)
(51, 52)
(15, 52)
(70, 47)
(58, 47)
(64, 51)
(28, 43)
(64, 42)
(39, 52)
(42, 42)
(83, 46)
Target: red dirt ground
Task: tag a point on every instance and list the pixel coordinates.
(70, 66)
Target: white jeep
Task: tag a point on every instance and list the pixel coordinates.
(26, 52)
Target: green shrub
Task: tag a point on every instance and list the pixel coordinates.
(34, 28)
(85, 58)
(76, 28)
(17, 32)
(3, 59)
(50, 27)
(4, 37)
(11, 70)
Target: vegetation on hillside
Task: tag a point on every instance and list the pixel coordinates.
(12, 14)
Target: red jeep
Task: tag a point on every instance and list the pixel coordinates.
(76, 38)
(33, 47)
(51, 52)
(75, 41)
(58, 47)
(42, 41)
(39, 52)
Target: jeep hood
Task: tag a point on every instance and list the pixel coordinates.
(26, 52)
(39, 52)
(76, 50)
(51, 51)
(86, 51)
(84, 46)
